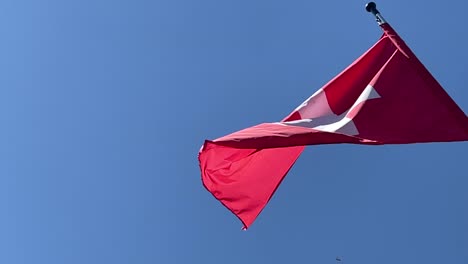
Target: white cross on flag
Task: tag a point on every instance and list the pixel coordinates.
(385, 97)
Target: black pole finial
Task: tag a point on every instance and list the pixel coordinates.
(371, 7)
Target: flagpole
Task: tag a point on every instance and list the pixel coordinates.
(371, 7)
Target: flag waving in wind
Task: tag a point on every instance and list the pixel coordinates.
(384, 97)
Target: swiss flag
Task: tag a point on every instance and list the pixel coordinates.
(385, 97)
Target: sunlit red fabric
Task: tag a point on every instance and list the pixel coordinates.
(385, 97)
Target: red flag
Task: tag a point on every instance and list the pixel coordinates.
(385, 97)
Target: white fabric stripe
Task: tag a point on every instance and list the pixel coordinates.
(367, 94)
(327, 120)
(315, 106)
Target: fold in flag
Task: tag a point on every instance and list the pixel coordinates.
(385, 97)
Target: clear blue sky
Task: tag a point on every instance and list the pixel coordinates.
(105, 104)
